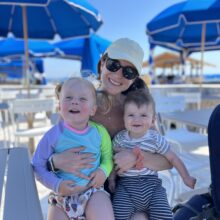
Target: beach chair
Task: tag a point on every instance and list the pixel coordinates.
(194, 165)
(4, 122)
(18, 193)
(28, 108)
(188, 139)
(168, 184)
(206, 205)
(192, 99)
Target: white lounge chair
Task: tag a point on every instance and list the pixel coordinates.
(188, 139)
(28, 108)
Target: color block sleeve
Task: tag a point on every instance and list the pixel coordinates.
(106, 150)
(39, 161)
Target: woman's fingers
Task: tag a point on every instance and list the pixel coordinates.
(86, 156)
(75, 149)
(81, 175)
(84, 160)
(74, 160)
(79, 162)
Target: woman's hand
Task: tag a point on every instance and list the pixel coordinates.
(97, 178)
(73, 161)
(67, 188)
(124, 160)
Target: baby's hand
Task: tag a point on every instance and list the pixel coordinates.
(97, 178)
(190, 181)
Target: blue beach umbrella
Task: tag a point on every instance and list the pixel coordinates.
(87, 49)
(65, 18)
(15, 47)
(14, 68)
(187, 27)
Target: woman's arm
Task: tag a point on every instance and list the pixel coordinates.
(156, 161)
(126, 159)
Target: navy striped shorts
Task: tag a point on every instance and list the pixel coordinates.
(141, 194)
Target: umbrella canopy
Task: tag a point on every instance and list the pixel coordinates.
(65, 18)
(14, 47)
(88, 50)
(14, 68)
(187, 26)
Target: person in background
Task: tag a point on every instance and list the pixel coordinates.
(140, 188)
(77, 103)
(119, 72)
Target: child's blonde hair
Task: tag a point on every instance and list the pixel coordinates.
(79, 80)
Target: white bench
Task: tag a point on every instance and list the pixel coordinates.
(18, 193)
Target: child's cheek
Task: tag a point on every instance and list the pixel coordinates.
(85, 110)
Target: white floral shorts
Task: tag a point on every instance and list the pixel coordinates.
(73, 206)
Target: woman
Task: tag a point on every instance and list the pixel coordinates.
(119, 70)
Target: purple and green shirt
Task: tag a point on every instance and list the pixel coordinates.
(61, 137)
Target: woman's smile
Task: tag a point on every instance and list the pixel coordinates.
(115, 83)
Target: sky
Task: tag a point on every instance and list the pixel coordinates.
(126, 18)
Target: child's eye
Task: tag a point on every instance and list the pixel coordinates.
(68, 97)
(144, 115)
(83, 99)
(130, 115)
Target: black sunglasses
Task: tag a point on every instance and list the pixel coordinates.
(127, 71)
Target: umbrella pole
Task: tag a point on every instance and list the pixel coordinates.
(25, 33)
(202, 49)
(26, 72)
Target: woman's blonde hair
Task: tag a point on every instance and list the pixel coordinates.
(104, 102)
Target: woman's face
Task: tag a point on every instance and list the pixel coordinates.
(114, 82)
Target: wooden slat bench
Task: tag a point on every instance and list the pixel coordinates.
(18, 193)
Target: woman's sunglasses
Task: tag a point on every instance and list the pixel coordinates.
(127, 71)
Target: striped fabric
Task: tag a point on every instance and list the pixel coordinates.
(141, 194)
(152, 142)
